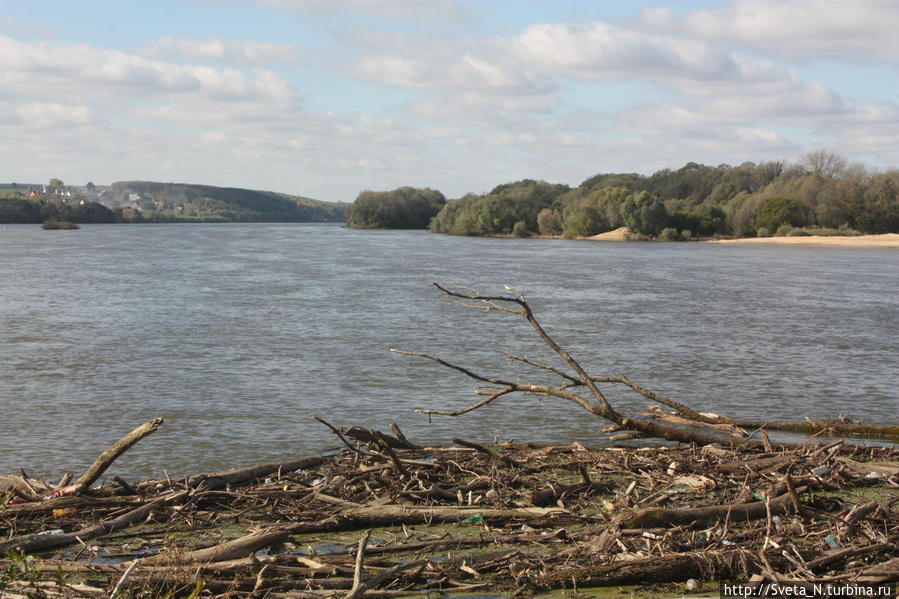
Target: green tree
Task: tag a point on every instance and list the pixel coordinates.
(780, 210)
(402, 208)
(520, 229)
(584, 221)
(549, 222)
(54, 182)
(644, 213)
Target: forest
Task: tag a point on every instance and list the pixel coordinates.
(821, 194)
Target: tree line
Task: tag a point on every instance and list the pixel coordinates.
(820, 194)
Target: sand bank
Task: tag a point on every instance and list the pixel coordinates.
(888, 240)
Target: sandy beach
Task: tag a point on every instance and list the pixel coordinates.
(888, 240)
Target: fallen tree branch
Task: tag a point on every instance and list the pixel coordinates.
(106, 458)
(600, 407)
(703, 516)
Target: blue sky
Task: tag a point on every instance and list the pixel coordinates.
(325, 98)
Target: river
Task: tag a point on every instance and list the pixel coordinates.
(237, 335)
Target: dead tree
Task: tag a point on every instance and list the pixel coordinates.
(575, 378)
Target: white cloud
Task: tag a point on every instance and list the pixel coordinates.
(803, 30)
(52, 115)
(50, 68)
(418, 9)
(225, 51)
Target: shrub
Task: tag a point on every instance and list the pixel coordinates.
(520, 229)
(798, 233)
(783, 230)
(669, 234)
(686, 234)
(52, 223)
(763, 232)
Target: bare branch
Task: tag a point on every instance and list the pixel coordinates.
(600, 408)
(470, 408)
(562, 374)
(464, 371)
(608, 412)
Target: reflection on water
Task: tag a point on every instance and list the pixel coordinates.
(238, 334)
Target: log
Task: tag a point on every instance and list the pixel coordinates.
(675, 567)
(230, 550)
(810, 427)
(106, 458)
(238, 476)
(360, 434)
(704, 516)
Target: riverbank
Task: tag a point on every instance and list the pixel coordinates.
(887, 240)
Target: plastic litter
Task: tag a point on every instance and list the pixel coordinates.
(474, 519)
(832, 542)
(820, 470)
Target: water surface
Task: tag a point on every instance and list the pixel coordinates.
(238, 334)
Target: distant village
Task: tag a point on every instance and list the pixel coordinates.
(81, 195)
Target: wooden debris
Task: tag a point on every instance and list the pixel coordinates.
(567, 515)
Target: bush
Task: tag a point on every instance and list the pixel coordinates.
(798, 233)
(520, 229)
(669, 234)
(53, 224)
(783, 230)
(762, 232)
(686, 234)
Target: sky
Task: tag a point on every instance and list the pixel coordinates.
(327, 98)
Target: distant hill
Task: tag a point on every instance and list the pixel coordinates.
(185, 202)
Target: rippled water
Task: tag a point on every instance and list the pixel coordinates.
(238, 334)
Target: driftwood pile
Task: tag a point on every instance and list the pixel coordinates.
(386, 518)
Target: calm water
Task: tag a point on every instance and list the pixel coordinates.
(238, 334)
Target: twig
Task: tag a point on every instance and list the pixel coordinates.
(116, 592)
(486, 450)
(360, 560)
(339, 435)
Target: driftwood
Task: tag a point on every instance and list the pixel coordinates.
(596, 403)
(828, 427)
(34, 543)
(704, 516)
(106, 458)
(460, 521)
